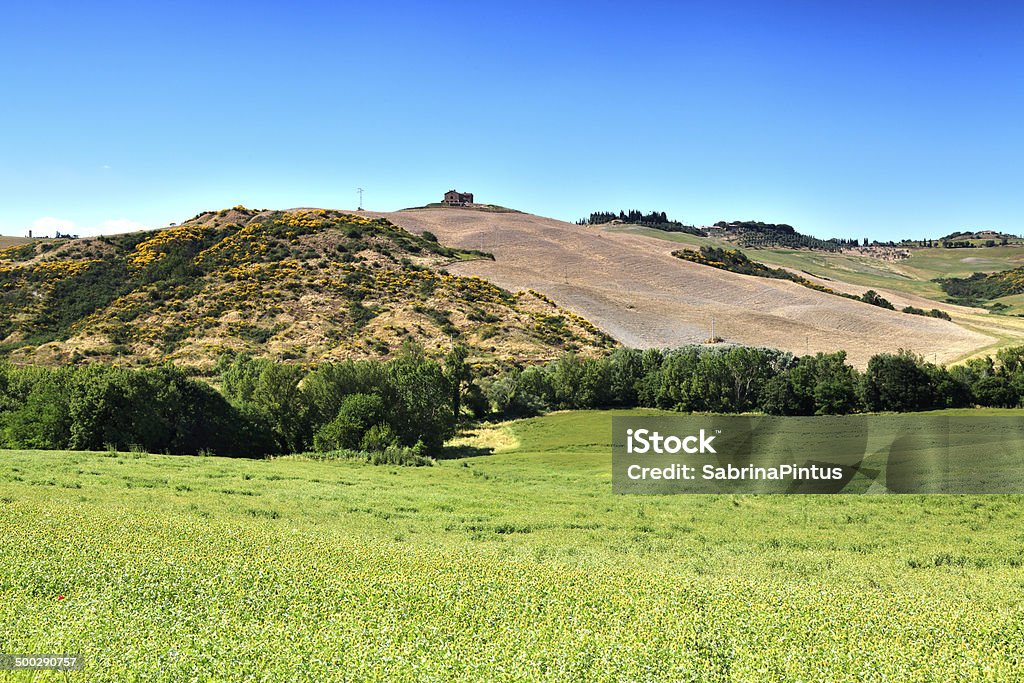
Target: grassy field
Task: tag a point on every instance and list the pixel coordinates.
(518, 565)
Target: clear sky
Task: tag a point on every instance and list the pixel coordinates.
(879, 119)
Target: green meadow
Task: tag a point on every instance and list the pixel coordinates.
(512, 562)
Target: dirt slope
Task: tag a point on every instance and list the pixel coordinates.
(634, 289)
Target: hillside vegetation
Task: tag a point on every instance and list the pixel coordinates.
(982, 287)
(736, 261)
(759, 234)
(290, 285)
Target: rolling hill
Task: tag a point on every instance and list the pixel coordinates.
(309, 284)
(913, 281)
(302, 284)
(628, 283)
(9, 241)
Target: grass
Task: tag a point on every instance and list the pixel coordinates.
(520, 565)
(1014, 303)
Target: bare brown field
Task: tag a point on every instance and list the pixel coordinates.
(1002, 330)
(9, 241)
(633, 288)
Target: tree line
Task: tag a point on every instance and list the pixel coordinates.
(399, 410)
(760, 234)
(745, 379)
(403, 410)
(654, 219)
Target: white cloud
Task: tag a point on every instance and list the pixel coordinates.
(49, 225)
(118, 225)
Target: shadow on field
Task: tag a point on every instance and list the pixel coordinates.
(463, 451)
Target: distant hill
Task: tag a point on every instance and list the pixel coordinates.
(758, 234)
(980, 235)
(7, 241)
(658, 220)
(305, 285)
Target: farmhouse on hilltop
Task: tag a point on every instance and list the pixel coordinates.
(456, 198)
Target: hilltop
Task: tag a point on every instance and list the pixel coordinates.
(301, 284)
(8, 241)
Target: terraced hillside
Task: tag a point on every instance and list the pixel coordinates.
(631, 286)
(301, 284)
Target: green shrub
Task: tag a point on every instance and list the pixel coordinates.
(379, 437)
(400, 455)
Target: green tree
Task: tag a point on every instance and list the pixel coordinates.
(357, 414)
(42, 419)
(278, 399)
(421, 409)
(897, 382)
(579, 382)
(995, 391)
(459, 375)
(379, 438)
(875, 299)
(511, 398)
(625, 371)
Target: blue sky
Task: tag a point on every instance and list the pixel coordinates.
(842, 118)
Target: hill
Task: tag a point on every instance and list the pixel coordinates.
(627, 282)
(978, 238)
(8, 241)
(302, 284)
(309, 284)
(910, 281)
(759, 234)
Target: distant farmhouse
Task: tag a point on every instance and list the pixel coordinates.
(456, 198)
